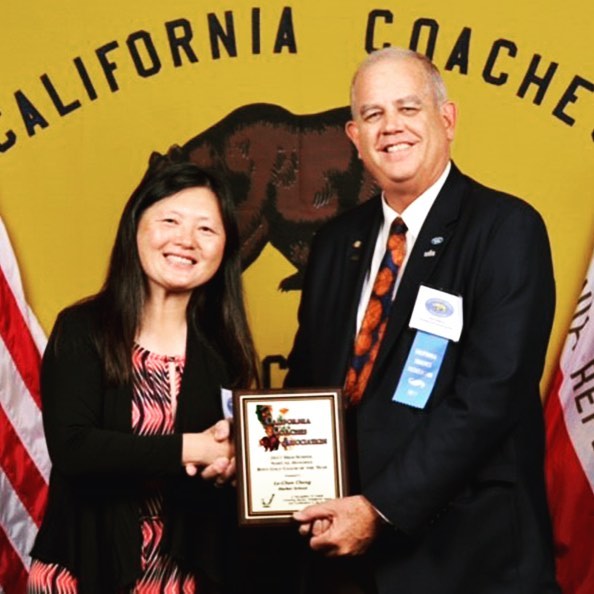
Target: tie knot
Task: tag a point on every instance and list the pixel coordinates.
(398, 227)
(396, 244)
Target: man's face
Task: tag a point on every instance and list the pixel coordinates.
(401, 133)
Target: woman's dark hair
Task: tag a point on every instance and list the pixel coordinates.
(215, 309)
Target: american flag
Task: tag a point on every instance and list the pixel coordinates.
(24, 461)
(569, 415)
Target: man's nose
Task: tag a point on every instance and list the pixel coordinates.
(393, 121)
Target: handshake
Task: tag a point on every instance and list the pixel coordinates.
(211, 453)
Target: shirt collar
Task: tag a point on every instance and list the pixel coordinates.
(416, 212)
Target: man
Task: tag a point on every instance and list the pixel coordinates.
(444, 418)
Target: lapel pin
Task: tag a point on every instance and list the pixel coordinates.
(429, 254)
(436, 240)
(355, 255)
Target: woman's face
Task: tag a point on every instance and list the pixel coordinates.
(181, 240)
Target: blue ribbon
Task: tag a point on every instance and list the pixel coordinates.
(420, 370)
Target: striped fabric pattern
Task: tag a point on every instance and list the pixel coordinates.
(569, 417)
(24, 460)
(157, 381)
(156, 384)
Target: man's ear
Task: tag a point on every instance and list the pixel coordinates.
(352, 131)
(449, 114)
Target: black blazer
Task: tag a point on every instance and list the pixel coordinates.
(460, 480)
(91, 523)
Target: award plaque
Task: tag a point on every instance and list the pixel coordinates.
(289, 446)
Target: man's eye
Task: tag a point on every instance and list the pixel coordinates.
(371, 116)
(408, 109)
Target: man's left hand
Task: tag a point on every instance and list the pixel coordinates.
(340, 527)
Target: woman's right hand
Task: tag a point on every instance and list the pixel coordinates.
(212, 450)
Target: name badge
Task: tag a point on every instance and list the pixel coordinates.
(437, 317)
(227, 402)
(438, 313)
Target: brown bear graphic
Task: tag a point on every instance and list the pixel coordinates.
(288, 174)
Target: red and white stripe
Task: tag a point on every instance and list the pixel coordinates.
(569, 415)
(24, 461)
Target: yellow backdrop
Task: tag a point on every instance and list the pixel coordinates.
(88, 90)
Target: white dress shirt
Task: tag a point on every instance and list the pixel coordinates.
(413, 216)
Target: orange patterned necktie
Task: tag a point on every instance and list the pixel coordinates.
(374, 322)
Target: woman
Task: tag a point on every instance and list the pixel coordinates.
(131, 387)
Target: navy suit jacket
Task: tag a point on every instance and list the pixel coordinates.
(461, 480)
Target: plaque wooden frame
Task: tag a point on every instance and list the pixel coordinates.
(290, 451)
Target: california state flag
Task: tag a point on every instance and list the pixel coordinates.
(569, 416)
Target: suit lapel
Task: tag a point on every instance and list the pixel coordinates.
(359, 252)
(435, 234)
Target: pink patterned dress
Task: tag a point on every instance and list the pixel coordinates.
(156, 385)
